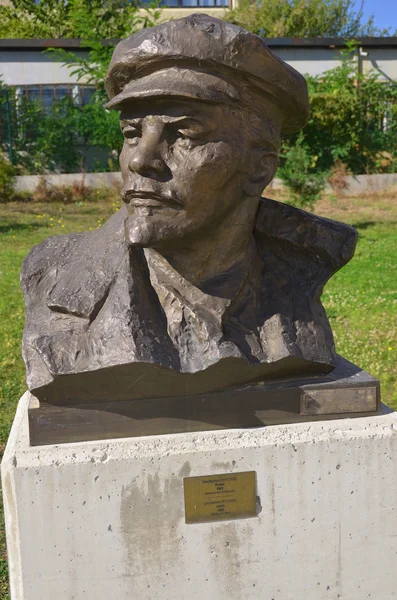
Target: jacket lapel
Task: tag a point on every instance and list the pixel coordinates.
(87, 268)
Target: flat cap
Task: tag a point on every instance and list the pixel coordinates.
(206, 58)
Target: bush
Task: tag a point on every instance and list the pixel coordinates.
(47, 141)
(78, 193)
(299, 174)
(337, 177)
(65, 194)
(353, 120)
(352, 130)
(7, 179)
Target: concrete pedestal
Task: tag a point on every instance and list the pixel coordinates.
(106, 520)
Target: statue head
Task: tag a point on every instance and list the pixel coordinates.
(203, 105)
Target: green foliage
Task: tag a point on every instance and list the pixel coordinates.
(46, 141)
(42, 141)
(352, 129)
(7, 179)
(303, 18)
(102, 19)
(97, 23)
(100, 127)
(300, 174)
(100, 24)
(26, 19)
(54, 141)
(353, 120)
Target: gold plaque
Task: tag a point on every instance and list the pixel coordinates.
(220, 497)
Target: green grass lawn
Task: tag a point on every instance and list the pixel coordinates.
(361, 300)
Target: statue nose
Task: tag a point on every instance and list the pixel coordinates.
(147, 161)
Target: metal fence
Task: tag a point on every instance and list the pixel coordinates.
(22, 107)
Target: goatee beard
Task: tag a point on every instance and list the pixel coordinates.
(138, 232)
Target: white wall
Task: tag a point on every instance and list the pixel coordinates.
(384, 60)
(314, 61)
(19, 67)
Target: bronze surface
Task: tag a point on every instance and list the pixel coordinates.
(253, 406)
(348, 400)
(197, 284)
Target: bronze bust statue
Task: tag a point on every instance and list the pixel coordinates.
(198, 283)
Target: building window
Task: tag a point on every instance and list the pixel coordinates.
(48, 94)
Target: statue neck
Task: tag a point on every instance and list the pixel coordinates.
(204, 261)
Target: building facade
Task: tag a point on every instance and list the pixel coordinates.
(26, 64)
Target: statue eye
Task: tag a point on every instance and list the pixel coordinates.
(182, 135)
(131, 134)
(188, 134)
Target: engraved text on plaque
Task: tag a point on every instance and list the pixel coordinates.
(220, 497)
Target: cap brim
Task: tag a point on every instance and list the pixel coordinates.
(180, 83)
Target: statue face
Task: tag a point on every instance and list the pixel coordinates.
(184, 165)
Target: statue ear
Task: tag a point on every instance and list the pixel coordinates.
(264, 167)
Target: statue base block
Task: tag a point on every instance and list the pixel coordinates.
(107, 519)
(347, 391)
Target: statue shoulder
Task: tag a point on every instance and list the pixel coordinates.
(301, 239)
(70, 273)
(51, 254)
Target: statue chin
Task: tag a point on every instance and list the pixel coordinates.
(145, 232)
(138, 233)
(154, 231)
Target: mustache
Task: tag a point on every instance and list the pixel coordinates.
(150, 192)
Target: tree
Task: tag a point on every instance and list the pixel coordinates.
(26, 19)
(99, 24)
(303, 18)
(73, 18)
